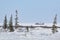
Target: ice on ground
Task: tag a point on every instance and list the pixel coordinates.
(33, 34)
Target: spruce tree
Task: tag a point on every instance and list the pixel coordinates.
(16, 20)
(54, 27)
(11, 24)
(5, 22)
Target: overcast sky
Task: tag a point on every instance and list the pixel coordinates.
(30, 11)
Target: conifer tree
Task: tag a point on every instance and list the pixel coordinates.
(54, 27)
(5, 22)
(16, 20)
(11, 24)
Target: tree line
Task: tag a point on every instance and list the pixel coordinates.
(11, 28)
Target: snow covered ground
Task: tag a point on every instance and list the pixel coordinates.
(33, 34)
